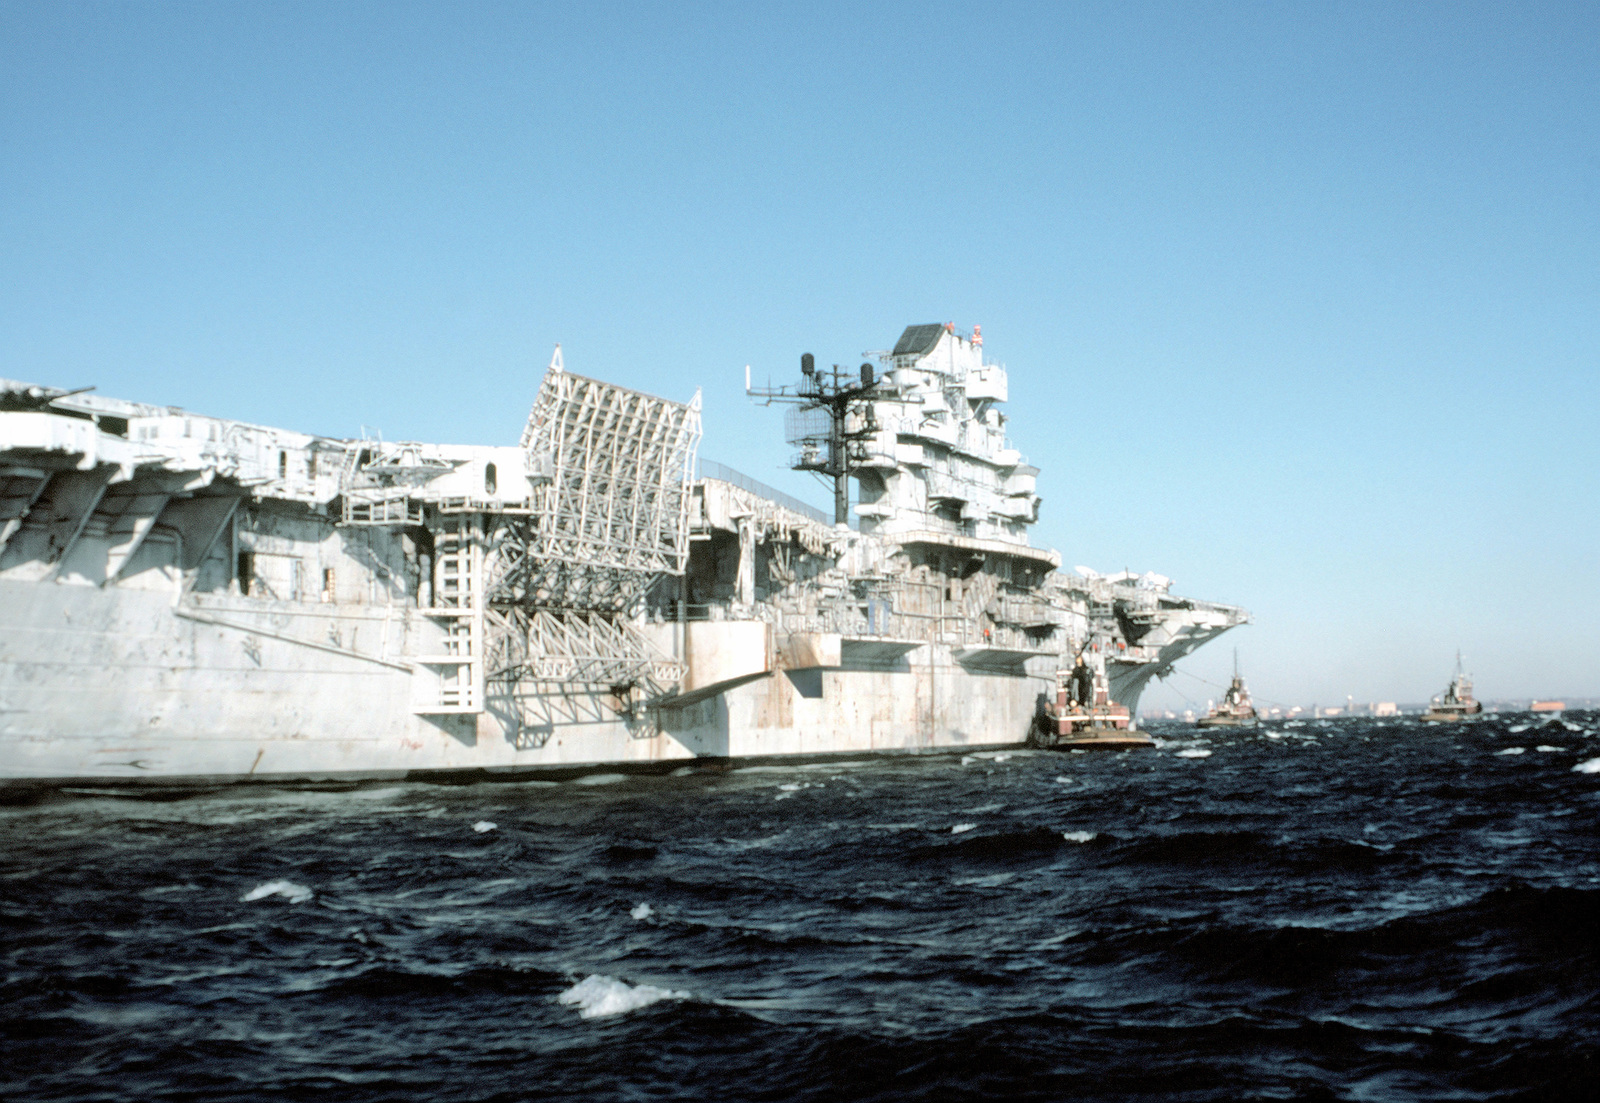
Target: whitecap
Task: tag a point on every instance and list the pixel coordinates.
(1002, 758)
(966, 758)
(1546, 748)
(1079, 836)
(1062, 779)
(1587, 766)
(1274, 735)
(1515, 728)
(792, 787)
(483, 826)
(600, 779)
(962, 827)
(1513, 750)
(378, 794)
(1194, 752)
(642, 911)
(596, 996)
(295, 894)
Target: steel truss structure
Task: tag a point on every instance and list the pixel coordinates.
(615, 467)
(612, 470)
(542, 645)
(556, 577)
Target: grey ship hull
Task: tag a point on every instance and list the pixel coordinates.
(119, 686)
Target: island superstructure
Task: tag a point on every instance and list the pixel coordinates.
(186, 597)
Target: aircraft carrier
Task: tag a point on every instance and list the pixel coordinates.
(187, 598)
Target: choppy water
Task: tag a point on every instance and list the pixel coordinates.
(1355, 910)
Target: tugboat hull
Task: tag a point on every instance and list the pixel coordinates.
(1225, 722)
(1103, 741)
(1437, 716)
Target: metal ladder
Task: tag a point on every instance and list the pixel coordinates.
(458, 608)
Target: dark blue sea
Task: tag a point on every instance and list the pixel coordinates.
(1354, 910)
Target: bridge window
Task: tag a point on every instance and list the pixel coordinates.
(491, 481)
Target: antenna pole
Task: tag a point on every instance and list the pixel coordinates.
(838, 396)
(838, 460)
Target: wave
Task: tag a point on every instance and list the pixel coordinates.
(599, 996)
(1542, 932)
(1230, 847)
(1015, 845)
(295, 894)
(1067, 1053)
(395, 982)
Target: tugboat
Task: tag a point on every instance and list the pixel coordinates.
(1084, 717)
(1236, 710)
(1456, 702)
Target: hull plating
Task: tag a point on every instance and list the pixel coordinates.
(118, 685)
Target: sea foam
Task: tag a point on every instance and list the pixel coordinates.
(483, 826)
(961, 828)
(1587, 766)
(1078, 836)
(596, 996)
(1513, 750)
(295, 894)
(1194, 752)
(642, 911)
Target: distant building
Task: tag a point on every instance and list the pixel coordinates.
(1547, 706)
(1385, 708)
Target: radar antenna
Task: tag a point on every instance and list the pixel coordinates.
(833, 410)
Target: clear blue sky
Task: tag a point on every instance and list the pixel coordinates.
(1301, 302)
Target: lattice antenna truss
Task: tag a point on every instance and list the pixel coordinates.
(616, 467)
(612, 471)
